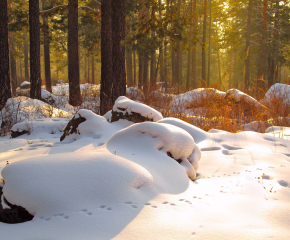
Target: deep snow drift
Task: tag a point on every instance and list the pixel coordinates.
(123, 180)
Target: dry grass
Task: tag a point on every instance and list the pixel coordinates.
(216, 112)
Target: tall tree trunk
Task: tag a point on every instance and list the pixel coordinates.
(129, 63)
(26, 60)
(153, 53)
(106, 57)
(195, 24)
(34, 33)
(235, 80)
(141, 70)
(118, 36)
(248, 38)
(134, 64)
(261, 76)
(75, 98)
(5, 90)
(203, 44)
(13, 64)
(209, 45)
(46, 49)
(93, 67)
(189, 56)
(145, 74)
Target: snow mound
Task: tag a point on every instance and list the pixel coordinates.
(124, 108)
(168, 139)
(25, 85)
(94, 126)
(48, 125)
(198, 134)
(72, 181)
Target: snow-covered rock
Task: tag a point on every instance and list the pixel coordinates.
(239, 97)
(198, 98)
(124, 108)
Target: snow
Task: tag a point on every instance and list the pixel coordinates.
(117, 180)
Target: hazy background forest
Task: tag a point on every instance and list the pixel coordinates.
(188, 43)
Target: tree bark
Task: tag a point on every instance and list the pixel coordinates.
(118, 35)
(5, 90)
(93, 68)
(34, 33)
(203, 44)
(248, 38)
(106, 57)
(46, 48)
(13, 64)
(209, 46)
(73, 54)
(261, 76)
(26, 60)
(195, 24)
(129, 63)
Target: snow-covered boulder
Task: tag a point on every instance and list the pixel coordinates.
(25, 85)
(246, 102)
(277, 98)
(199, 97)
(124, 108)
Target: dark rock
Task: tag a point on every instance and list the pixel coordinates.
(133, 116)
(16, 214)
(72, 126)
(15, 134)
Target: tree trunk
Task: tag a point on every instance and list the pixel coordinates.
(5, 90)
(203, 44)
(106, 57)
(189, 56)
(129, 63)
(34, 33)
(75, 98)
(141, 70)
(261, 76)
(145, 74)
(209, 45)
(195, 24)
(26, 60)
(134, 61)
(118, 36)
(46, 49)
(93, 68)
(13, 64)
(248, 38)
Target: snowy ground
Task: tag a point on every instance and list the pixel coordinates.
(125, 187)
(117, 180)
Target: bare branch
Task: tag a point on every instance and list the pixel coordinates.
(91, 9)
(97, 2)
(51, 9)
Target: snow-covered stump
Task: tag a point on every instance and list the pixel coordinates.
(10, 213)
(124, 108)
(72, 126)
